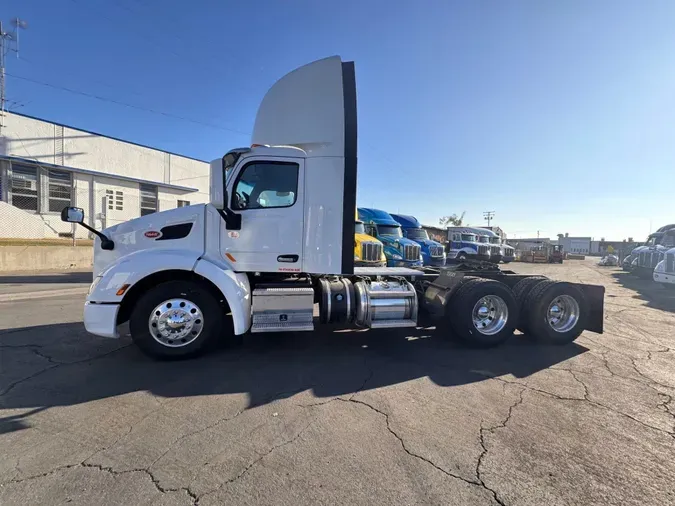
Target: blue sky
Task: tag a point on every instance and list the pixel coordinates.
(558, 116)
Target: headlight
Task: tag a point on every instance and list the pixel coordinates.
(421, 259)
(397, 257)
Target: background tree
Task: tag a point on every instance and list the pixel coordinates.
(452, 220)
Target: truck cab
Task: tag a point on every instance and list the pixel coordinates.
(463, 244)
(647, 257)
(400, 251)
(486, 236)
(433, 253)
(368, 251)
(509, 253)
(664, 272)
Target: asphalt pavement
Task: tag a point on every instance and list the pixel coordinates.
(353, 417)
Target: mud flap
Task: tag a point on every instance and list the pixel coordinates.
(595, 296)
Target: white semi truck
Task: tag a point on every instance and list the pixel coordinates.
(276, 239)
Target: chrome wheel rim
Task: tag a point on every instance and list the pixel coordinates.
(176, 322)
(490, 315)
(563, 313)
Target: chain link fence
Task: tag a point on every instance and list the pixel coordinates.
(30, 214)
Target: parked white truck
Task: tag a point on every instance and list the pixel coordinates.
(277, 238)
(664, 272)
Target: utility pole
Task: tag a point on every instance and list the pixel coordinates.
(538, 234)
(488, 215)
(9, 41)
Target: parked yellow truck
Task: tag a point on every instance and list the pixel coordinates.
(368, 251)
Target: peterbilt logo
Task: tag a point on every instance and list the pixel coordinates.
(152, 234)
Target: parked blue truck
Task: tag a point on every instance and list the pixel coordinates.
(433, 253)
(400, 251)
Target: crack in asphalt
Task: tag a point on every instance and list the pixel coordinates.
(485, 450)
(478, 482)
(55, 364)
(251, 465)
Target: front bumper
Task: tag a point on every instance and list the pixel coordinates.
(496, 258)
(101, 319)
(663, 277)
(435, 261)
(403, 263)
(484, 258)
(362, 263)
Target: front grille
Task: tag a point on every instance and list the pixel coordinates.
(436, 251)
(411, 252)
(482, 250)
(649, 259)
(495, 251)
(371, 251)
(670, 262)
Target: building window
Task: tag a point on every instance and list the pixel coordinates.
(60, 189)
(115, 200)
(183, 203)
(148, 199)
(23, 187)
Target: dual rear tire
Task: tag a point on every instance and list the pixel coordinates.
(484, 313)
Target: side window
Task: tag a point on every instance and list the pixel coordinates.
(262, 185)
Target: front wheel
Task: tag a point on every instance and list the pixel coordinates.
(176, 319)
(483, 313)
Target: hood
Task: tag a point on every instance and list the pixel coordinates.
(390, 240)
(365, 238)
(427, 242)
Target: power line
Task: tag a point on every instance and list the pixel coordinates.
(125, 104)
(488, 215)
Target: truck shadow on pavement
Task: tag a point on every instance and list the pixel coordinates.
(655, 295)
(61, 365)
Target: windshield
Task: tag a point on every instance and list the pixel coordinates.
(495, 240)
(483, 238)
(652, 240)
(389, 230)
(359, 228)
(417, 233)
(468, 238)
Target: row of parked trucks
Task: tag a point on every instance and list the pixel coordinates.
(398, 240)
(655, 259)
(278, 249)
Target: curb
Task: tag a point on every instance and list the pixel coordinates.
(43, 294)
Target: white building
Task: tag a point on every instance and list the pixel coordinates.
(46, 166)
(578, 245)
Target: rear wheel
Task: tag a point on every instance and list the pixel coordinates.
(176, 319)
(483, 313)
(521, 290)
(556, 312)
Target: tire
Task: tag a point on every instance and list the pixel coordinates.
(463, 308)
(520, 291)
(182, 299)
(461, 256)
(539, 320)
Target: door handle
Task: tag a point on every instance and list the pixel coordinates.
(289, 259)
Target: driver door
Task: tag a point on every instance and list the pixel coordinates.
(268, 193)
